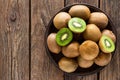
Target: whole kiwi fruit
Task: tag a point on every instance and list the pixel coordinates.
(67, 64)
(99, 19)
(89, 50)
(84, 63)
(103, 59)
(52, 44)
(81, 11)
(71, 50)
(61, 20)
(92, 32)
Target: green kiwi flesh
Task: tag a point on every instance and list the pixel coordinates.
(77, 25)
(64, 36)
(106, 44)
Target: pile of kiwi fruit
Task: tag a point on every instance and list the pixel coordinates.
(82, 38)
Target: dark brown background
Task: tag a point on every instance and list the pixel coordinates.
(22, 29)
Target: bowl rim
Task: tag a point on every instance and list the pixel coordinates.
(46, 35)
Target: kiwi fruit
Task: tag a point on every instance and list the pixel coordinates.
(52, 44)
(99, 19)
(92, 32)
(61, 20)
(84, 63)
(80, 11)
(106, 44)
(103, 59)
(71, 50)
(64, 36)
(89, 50)
(110, 34)
(77, 25)
(67, 64)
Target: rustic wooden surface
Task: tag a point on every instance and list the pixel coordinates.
(14, 39)
(22, 51)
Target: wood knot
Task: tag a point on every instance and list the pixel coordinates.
(13, 17)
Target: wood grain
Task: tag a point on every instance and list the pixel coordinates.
(22, 50)
(41, 66)
(14, 40)
(87, 77)
(92, 2)
(111, 7)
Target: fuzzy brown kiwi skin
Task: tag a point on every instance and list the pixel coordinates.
(61, 20)
(71, 50)
(103, 59)
(67, 64)
(52, 44)
(80, 11)
(110, 34)
(84, 63)
(92, 32)
(89, 50)
(99, 19)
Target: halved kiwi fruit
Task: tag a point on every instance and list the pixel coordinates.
(77, 25)
(64, 36)
(106, 44)
(110, 34)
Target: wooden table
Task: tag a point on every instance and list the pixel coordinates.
(22, 50)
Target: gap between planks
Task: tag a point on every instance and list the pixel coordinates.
(29, 39)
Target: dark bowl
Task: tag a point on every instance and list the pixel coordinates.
(56, 57)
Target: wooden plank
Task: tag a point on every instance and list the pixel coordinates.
(41, 67)
(5, 50)
(112, 71)
(94, 3)
(87, 77)
(14, 40)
